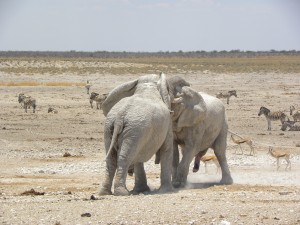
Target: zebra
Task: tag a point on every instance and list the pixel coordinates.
(20, 97)
(27, 101)
(99, 99)
(272, 116)
(293, 126)
(227, 95)
(295, 113)
(88, 86)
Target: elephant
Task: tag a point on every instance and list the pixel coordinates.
(138, 124)
(199, 123)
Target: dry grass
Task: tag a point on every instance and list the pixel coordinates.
(140, 65)
(34, 83)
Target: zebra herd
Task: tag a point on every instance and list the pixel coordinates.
(27, 101)
(279, 115)
(272, 116)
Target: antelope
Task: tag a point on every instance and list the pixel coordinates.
(240, 141)
(27, 101)
(279, 154)
(205, 159)
(227, 95)
(293, 126)
(88, 86)
(295, 113)
(272, 116)
(99, 99)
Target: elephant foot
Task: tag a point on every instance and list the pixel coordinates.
(121, 191)
(226, 180)
(105, 191)
(165, 189)
(137, 190)
(178, 184)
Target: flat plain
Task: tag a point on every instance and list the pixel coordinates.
(51, 164)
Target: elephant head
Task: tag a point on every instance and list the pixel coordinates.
(189, 108)
(175, 85)
(130, 88)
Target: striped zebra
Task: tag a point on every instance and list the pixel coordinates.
(292, 125)
(227, 95)
(295, 113)
(27, 101)
(99, 99)
(20, 97)
(272, 116)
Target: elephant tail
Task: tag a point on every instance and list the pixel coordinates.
(118, 125)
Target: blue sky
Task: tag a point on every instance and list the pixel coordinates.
(149, 25)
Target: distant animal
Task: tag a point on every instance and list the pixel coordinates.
(52, 110)
(88, 86)
(280, 154)
(27, 101)
(20, 99)
(99, 99)
(240, 141)
(292, 125)
(206, 159)
(227, 95)
(295, 113)
(272, 116)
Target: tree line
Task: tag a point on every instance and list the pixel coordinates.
(124, 54)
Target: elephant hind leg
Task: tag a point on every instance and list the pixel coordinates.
(111, 165)
(220, 152)
(140, 184)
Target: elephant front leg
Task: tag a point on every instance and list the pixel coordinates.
(140, 184)
(220, 152)
(183, 168)
(175, 160)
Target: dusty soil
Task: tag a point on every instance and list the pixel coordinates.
(32, 149)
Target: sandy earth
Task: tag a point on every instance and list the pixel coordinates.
(32, 148)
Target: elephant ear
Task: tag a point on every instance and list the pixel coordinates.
(164, 90)
(193, 108)
(124, 90)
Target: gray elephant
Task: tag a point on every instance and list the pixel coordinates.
(138, 124)
(199, 123)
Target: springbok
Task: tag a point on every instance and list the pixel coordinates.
(280, 154)
(88, 86)
(240, 141)
(272, 116)
(205, 159)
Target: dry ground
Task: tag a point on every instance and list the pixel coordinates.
(32, 148)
